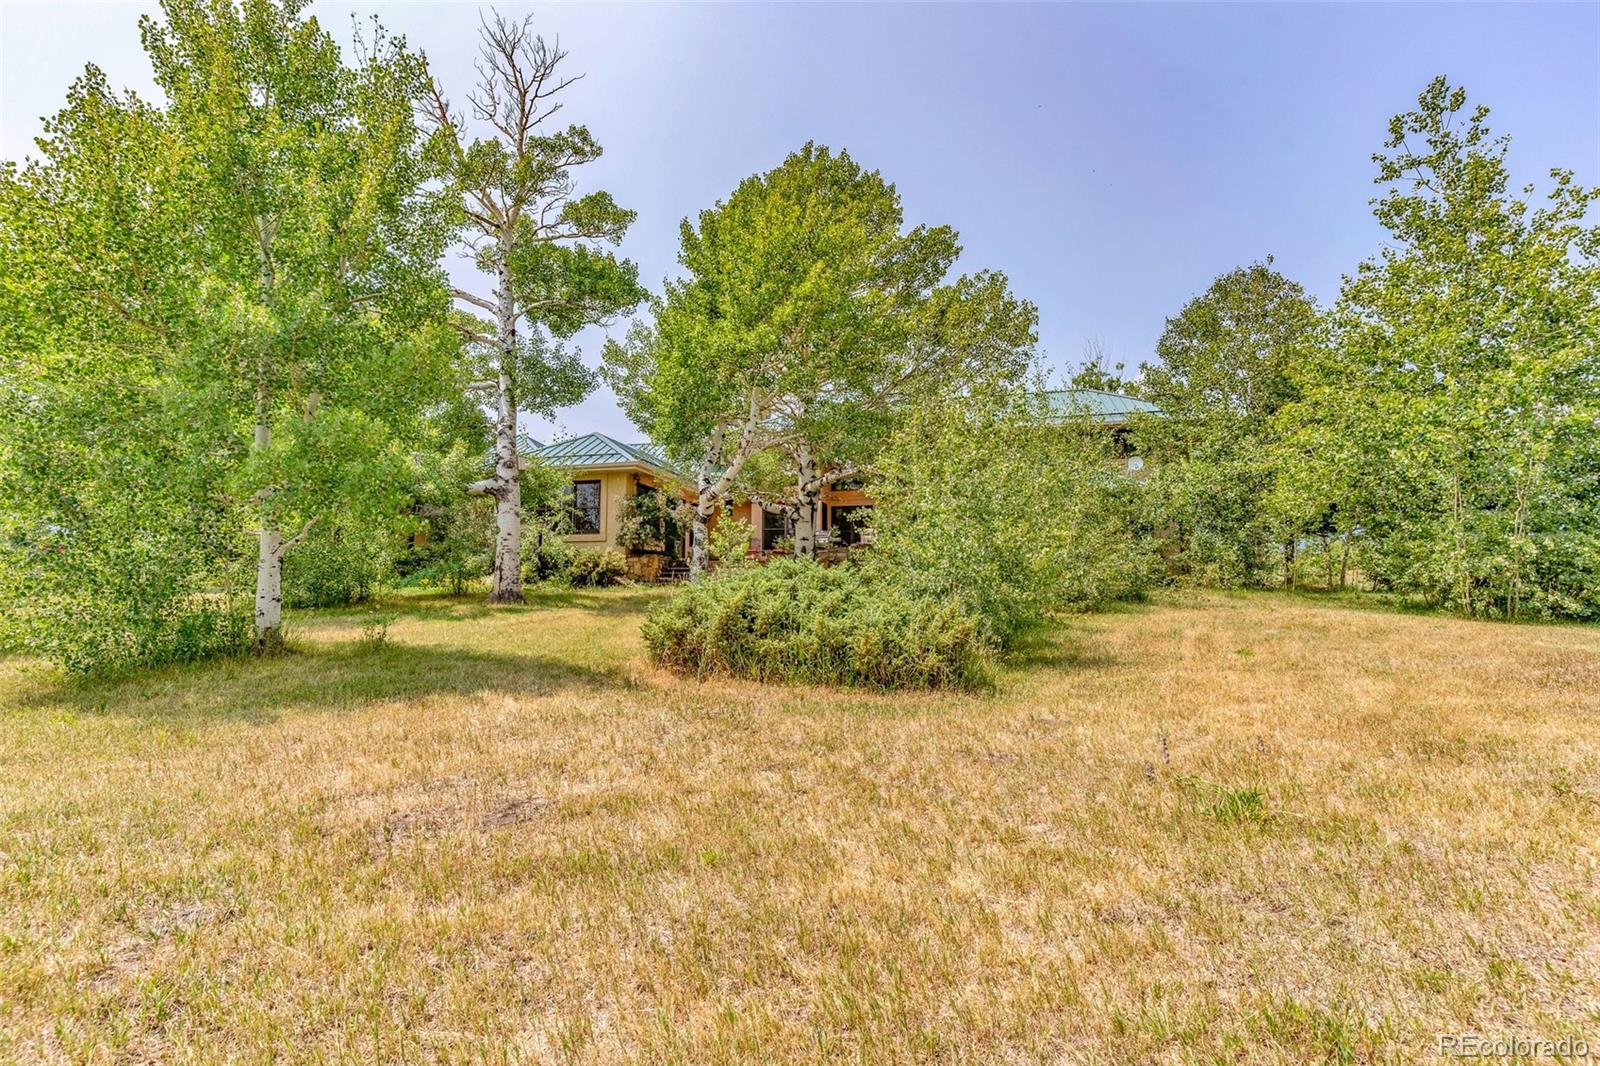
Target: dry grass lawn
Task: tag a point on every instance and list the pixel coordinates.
(1213, 829)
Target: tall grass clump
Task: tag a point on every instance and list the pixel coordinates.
(795, 621)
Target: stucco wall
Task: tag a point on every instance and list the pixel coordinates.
(615, 485)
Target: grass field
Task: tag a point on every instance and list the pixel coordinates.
(1216, 828)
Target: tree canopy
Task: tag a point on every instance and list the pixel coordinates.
(806, 317)
(1223, 368)
(223, 309)
(1456, 404)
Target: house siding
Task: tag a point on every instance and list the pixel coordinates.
(615, 486)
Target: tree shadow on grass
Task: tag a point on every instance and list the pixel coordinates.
(620, 601)
(1056, 646)
(324, 678)
(446, 607)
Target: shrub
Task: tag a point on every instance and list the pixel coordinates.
(546, 555)
(795, 621)
(649, 521)
(118, 616)
(1212, 504)
(141, 578)
(337, 568)
(730, 541)
(375, 632)
(987, 501)
(594, 568)
(449, 542)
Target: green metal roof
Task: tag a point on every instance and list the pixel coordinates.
(1106, 408)
(597, 449)
(526, 446)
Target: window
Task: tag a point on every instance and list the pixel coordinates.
(774, 527)
(586, 507)
(850, 525)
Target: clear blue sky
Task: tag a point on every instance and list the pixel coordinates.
(1110, 159)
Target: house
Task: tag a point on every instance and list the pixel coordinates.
(1111, 410)
(606, 472)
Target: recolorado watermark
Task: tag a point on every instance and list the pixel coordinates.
(1477, 1046)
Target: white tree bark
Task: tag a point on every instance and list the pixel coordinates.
(716, 476)
(272, 547)
(700, 538)
(269, 547)
(808, 493)
(269, 590)
(705, 504)
(506, 485)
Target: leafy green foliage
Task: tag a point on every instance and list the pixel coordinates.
(574, 285)
(95, 601)
(1223, 369)
(730, 541)
(337, 567)
(222, 314)
(1453, 417)
(807, 318)
(546, 555)
(444, 530)
(596, 567)
(795, 621)
(547, 521)
(989, 503)
(649, 521)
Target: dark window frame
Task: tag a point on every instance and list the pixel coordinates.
(774, 527)
(846, 524)
(579, 517)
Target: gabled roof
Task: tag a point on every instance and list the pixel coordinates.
(597, 449)
(1106, 408)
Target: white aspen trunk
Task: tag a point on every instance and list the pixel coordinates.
(808, 491)
(705, 503)
(700, 540)
(505, 485)
(269, 550)
(269, 555)
(269, 590)
(714, 480)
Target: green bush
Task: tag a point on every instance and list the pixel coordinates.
(117, 612)
(650, 521)
(989, 501)
(594, 568)
(546, 555)
(449, 541)
(730, 541)
(143, 576)
(795, 621)
(338, 568)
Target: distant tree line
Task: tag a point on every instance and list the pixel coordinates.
(234, 373)
(1435, 433)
